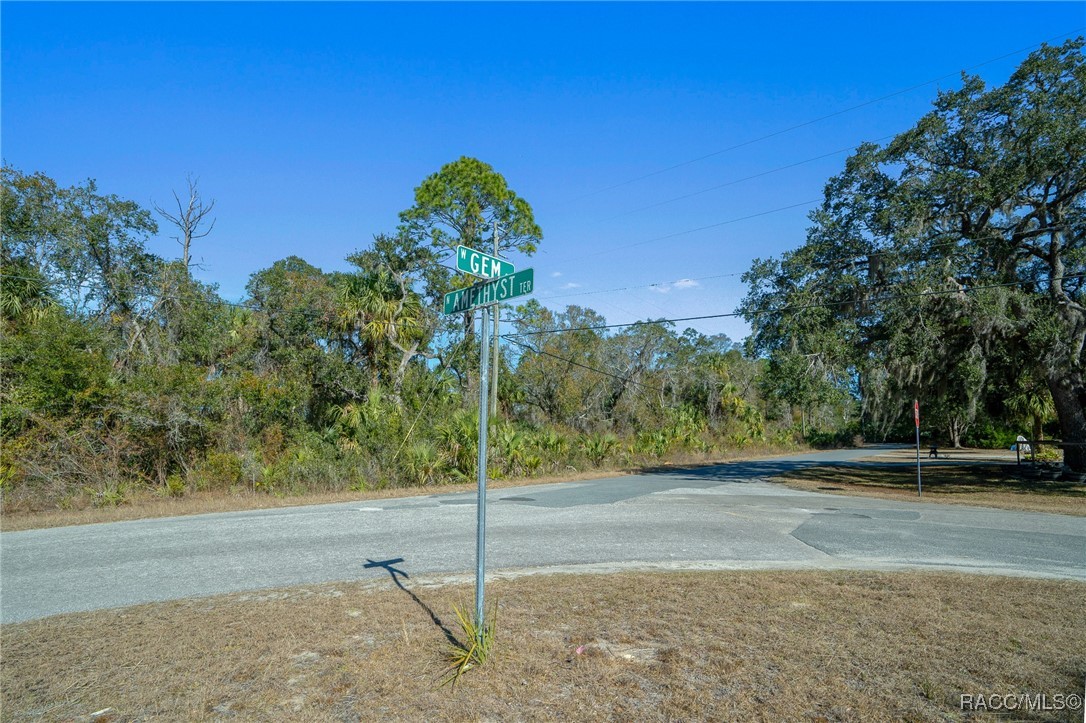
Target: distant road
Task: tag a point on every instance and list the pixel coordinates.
(717, 518)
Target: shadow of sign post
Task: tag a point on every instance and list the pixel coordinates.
(396, 574)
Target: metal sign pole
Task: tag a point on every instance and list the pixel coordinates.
(480, 534)
(497, 338)
(916, 416)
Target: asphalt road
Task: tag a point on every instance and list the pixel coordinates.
(723, 517)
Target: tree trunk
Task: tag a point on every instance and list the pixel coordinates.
(1069, 398)
(406, 355)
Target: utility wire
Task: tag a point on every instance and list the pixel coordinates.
(851, 258)
(643, 286)
(690, 231)
(825, 117)
(736, 181)
(627, 380)
(771, 171)
(780, 310)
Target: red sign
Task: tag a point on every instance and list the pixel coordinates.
(916, 412)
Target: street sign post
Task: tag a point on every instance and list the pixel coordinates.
(482, 265)
(482, 296)
(489, 292)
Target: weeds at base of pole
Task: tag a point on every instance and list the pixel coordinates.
(477, 646)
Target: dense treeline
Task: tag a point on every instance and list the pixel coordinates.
(947, 266)
(121, 370)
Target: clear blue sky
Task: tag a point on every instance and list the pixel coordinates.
(311, 124)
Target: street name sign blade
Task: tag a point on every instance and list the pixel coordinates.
(482, 265)
(493, 291)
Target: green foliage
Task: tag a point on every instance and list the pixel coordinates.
(835, 439)
(54, 366)
(121, 373)
(193, 323)
(552, 448)
(459, 435)
(598, 447)
(532, 464)
(477, 646)
(110, 494)
(216, 470)
(264, 400)
(511, 448)
(175, 486)
(90, 247)
(460, 204)
(944, 266)
(552, 443)
(25, 295)
(990, 435)
(309, 462)
(422, 463)
(168, 412)
(686, 424)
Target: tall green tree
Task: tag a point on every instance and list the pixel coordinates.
(460, 205)
(467, 202)
(391, 306)
(962, 240)
(554, 366)
(90, 247)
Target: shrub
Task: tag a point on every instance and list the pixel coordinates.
(174, 487)
(830, 440)
(218, 470)
(422, 463)
(597, 447)
(308, 464)
(459, 436)
(553, 447)
(511, 447)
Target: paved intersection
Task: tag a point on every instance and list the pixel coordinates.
(722, 517)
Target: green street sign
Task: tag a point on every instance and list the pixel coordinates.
(482, 265)
(490, 292)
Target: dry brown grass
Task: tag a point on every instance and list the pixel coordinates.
(855, 646)
(986, 485)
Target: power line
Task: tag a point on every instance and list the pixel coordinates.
(843, 259)
(797, 307)
(736, 181)
(824, 117)
(315, 315)
(827, 264)
(690, 231)
(762, 174)
(642, 286)
(626, 380)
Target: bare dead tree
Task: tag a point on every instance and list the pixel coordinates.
(190, 216)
